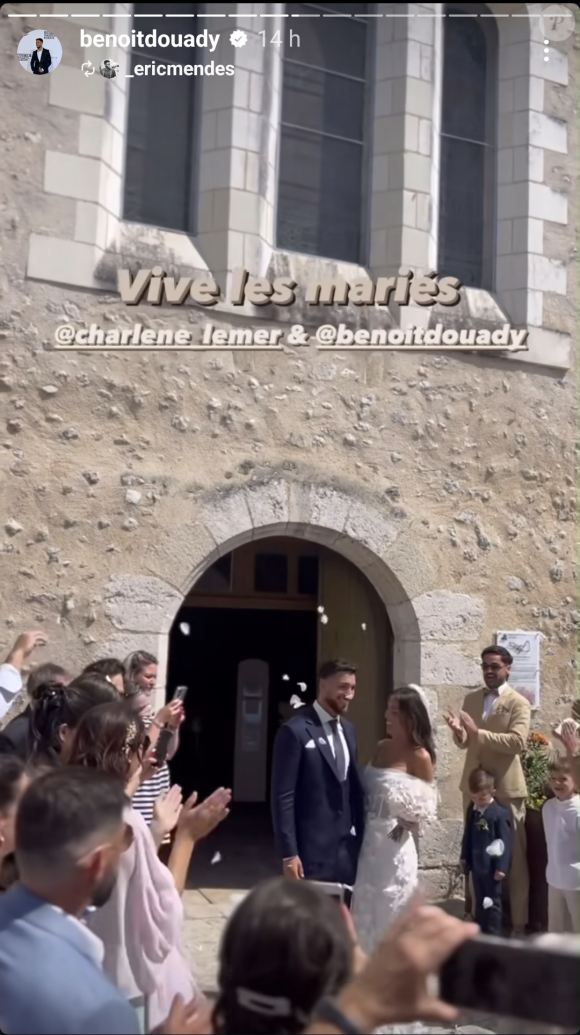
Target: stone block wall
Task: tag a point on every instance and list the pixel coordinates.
(452, 481)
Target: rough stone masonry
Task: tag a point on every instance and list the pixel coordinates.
(121, 474)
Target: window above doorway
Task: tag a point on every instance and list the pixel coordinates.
(218, 578)
(271, 573)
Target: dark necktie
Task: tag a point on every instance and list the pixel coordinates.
(339, 754)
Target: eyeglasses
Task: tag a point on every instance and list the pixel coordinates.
(491, 668)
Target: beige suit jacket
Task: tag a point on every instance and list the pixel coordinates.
(500, 741)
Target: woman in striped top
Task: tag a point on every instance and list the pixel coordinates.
(141, 680)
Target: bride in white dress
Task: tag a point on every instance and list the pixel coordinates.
(401, 800)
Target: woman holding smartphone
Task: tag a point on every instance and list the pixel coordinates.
(141, 670)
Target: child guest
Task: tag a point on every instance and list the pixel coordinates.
(487, 850)
(561, 816)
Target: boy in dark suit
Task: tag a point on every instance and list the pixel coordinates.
(487, 850)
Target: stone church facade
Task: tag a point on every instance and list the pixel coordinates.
(451, 481)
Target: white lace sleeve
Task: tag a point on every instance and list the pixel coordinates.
(414, 803)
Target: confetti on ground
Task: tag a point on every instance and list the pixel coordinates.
(285, 678)
(487, 903)
(364, 627)
(296, 702)
(324, 619)
(301, 687)
(217, 858)
(320, 610)
(184, 628)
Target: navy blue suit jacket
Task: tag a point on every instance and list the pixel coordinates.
(477, 839)
(308, 808)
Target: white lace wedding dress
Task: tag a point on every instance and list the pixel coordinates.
(388, 876)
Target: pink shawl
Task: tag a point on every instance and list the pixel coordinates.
(140, 928)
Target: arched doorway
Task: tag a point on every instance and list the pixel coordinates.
(247, 642)
(434, 630)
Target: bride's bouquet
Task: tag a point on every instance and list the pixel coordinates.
(413, 806)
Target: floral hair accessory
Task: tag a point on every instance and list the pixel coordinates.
(130, 738)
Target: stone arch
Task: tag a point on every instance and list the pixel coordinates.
(426, 623)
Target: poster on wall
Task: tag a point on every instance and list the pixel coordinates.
(524, 648)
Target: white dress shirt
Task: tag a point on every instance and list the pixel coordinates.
(326, 719)
(491, 697)
(562, 830)
(10, 686)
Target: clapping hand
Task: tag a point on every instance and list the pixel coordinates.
(454, 723)
(197, 821)
(571, 740)
(167, 810)
(469, 724)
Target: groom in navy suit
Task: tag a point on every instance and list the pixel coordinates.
(317, 793)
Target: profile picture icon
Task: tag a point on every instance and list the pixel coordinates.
(39, 52)
(108, 68)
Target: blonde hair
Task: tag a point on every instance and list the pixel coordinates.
(558, 762)
(135, 663)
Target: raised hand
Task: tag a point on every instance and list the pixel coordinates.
(197, 821)
(394, 986)
(171, 715)
(26, 643)
(167, 810)
(454, 723)
(469, 724)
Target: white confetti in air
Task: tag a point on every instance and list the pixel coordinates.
(364, 627)
(324, 619)
(285, 678)
(184, 628)
(217, 858)
(301, 687)
(296, 702)
(496, 849)
(320, 610)
(487, 903)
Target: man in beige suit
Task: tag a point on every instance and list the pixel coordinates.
(492, 728)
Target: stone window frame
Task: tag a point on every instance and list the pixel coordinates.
(238, 173)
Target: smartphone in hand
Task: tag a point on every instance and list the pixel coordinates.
(162, 746)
